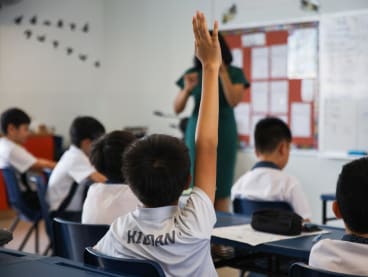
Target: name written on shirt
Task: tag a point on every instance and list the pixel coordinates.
(137, 237)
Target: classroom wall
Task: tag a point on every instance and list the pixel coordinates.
(157, 40)
(44, 81)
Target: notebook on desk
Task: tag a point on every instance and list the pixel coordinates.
(246, 234)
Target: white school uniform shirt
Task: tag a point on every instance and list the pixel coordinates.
(177, 238)
(12, 154)
(106, 202)
(340, 256)
(265, 182)
(74, 166)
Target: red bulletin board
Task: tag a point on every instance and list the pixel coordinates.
(274, 35)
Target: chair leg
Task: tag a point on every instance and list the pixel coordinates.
(37, 243)
(14, 224)
(48, 248)
(324, 212)
(26, 238)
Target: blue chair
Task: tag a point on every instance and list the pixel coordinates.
(71, 238)
(131, 267)
(327, 197)
(41, 192)
(23, 210)
(248, 207)
(303, 270)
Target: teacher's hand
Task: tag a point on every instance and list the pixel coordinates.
(190, 81)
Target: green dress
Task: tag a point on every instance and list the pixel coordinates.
(227, 134)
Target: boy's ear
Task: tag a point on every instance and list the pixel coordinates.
(336, 209)
(10, 128)
(85, 144)
(281, 148)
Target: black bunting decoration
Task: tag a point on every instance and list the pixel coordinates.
(18, 20)
(82, 57)
(41, 38)
(85, 28)
(72, 26)
(69, 50)
(55, 43)
(28, 33)
(33, 20)
(60, 24)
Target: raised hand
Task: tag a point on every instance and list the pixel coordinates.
(207, 47)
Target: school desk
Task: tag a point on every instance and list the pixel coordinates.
(296, 249)
(326, 198)
(15, 264)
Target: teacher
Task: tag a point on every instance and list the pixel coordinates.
(232, 88)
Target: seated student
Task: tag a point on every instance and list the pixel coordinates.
(67, 181)
(266, 181)
(348, 255)
(158, 170)
(15, 127)
(106, 202)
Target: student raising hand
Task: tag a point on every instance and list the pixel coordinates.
(208, 51)
(207, 47)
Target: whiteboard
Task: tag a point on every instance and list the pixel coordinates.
(343, 118)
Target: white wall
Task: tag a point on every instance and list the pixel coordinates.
(52, 87)
(149, 44)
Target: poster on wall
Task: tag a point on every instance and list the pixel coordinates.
(302, 53)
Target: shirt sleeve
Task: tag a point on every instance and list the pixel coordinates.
(21, 159)
(298, 200)
(238, 77)
(198, 216)
(105, 245)
(81, 169)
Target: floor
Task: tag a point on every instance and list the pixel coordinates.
(6, 219)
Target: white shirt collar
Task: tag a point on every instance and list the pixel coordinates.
(155, 214)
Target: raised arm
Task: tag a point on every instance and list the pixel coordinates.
(209, 53)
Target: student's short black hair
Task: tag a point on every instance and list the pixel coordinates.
(351, 195)
(85, 127)
(269, 133)
(157, 168)
(107, 154)
(226, 54)
(13, 116)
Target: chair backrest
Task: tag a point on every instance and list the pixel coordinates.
(131, 267)
(303, 270)
(41, 193)
(248, 207)
(71, 238)
(15, 196)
